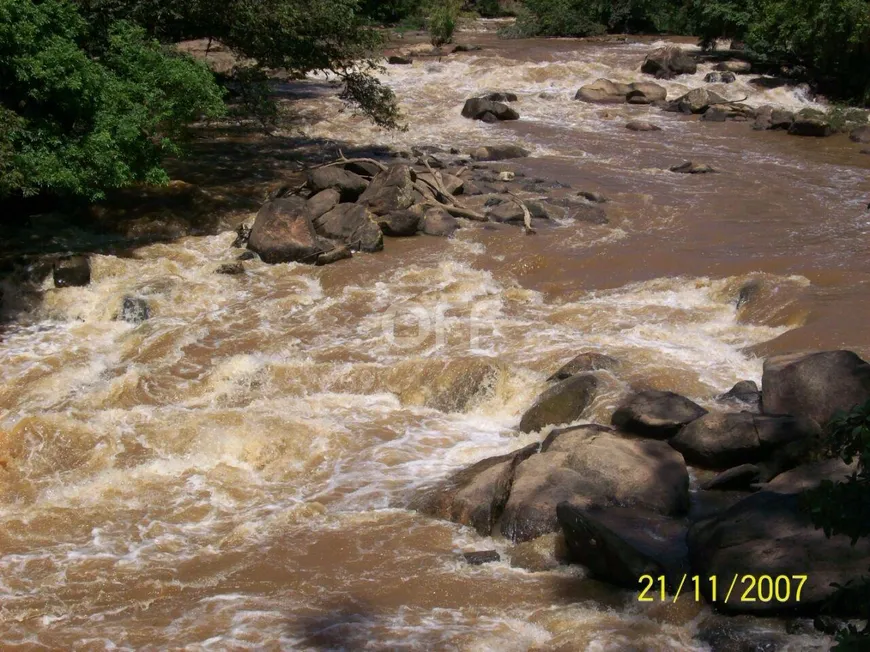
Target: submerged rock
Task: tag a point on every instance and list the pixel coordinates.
(656, 414)
(242, 235)
(230, 269)
(641, 125)
(399, 224)
(689, 167)
(72, 271)
(134, 310)
(499, 152)
(860, 135)
(480, 557)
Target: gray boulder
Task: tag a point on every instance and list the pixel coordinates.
(814, 385)
(645, 93)
(587, 361)
(72, 271)
(720, 441)
(697, 100)
(642, 125)
(811, 123)
(745, 392)
(603, 91)
(353, 225)
(769, 117)
(400, 223)
(860, 135)
(621, 544)
(769, 534)
(656, 414)
(349, 185)
(498, 152)
(690, 167)
(438, 222)
(477, 107)
(390, 190)
(564, 402)
(322, 202)
(283, 233)
(667, 62)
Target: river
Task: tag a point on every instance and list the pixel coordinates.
(236, 472)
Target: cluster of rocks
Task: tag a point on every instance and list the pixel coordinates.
(620, 494)
(491, 108)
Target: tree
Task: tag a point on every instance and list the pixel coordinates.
(78, 116)
(844, 508)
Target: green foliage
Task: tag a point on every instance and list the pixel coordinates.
(844, 508)
(80, 116)
(441, 19)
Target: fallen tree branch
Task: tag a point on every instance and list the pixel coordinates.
(527, 215)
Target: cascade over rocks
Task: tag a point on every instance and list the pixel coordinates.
(283, 233)
(477, 108)
(72, 271)
(720, 441)
(668, 62)
(656, 414)
(602, 469)
(564, 402)
(621, 544)
(814, 385)
(770, 534)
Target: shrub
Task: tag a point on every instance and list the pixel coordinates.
(442, 18)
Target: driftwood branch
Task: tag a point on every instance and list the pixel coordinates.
(527, 215)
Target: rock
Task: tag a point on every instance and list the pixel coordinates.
(720, 78)
(341, 252)
(247, 255)
(814, 385)
(283, 233)
(860, 135)
(588, 213)
(499, 152)
(134, 310)
(501, 97)
(467, 48)
(730, 111)
(391, 190)
(564, 402)
(602, 470)
(396, 60)
(438, 222)
(349, 185)
(542, 211)
(705, 504)
(453, 185)
(566, 440)
(668, 62)
(362, 168)
(242, 235)
(768, 117)
(603, 91)
(399, 223)
(475, 496)
(811, 123)
(72, 271)
(594, 197)
(810, 476)
(230, 269)
(739, 67)
(352, 224)
(646, 93)
(619, 545)
(640, 125)
(689, 167)
(489, 117)
(321, 203)
(697, 100)
(656, 414)
(739, 478)
(506, 212)
(745, 391)
(770, 534)
(720, 441)
(480, 557)
(506, 175)
(588, 361)
(476, 107)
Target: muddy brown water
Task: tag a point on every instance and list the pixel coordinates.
(235, 473)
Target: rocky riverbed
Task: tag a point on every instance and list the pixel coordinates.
(451, 388)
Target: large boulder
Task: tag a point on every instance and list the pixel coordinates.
(564, 402)
(322, 202)
(811, 475)
(390, 190)
(769, 117)
(656, 414)
(400, 223)
(603, 91)
(814, 385)
(438, 222)
(720, 441)
(811, 123)
(283, 233)
(734, 111)
(697, 100)
(72, 271)
(668, 62)
(599, 469)
(860, 135)
(769, 534)
(646, 93)
(353, 225)
(477, 108)
(475, 496)
(621, 544)
(349, 185)
(498, 152)
(588, 361)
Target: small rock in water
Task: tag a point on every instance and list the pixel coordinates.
(640, 125)
(134, 310)
(480, 557)
(595, 197)
(688, 167)
(230, 269)
(74, 271)
(243, 233)
(247, 255)
(466, 48)
(506, 175)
